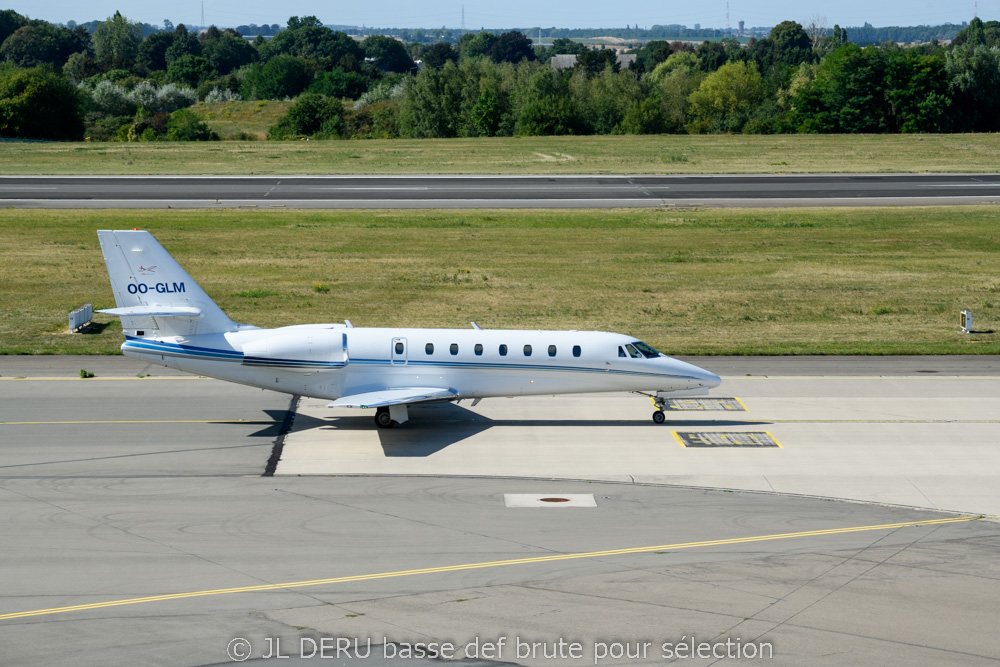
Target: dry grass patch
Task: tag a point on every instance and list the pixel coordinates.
(655, 154)
(866, 281)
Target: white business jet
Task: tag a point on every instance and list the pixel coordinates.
(169, 320)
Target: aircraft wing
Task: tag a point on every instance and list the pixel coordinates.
(378, 399)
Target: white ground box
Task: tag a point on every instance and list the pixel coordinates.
(549, 500)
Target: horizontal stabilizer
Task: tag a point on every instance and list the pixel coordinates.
(378, 399)
(154, 311)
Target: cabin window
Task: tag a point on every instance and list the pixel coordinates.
(552, 350)
(478, 350)
(527, 350)
(576, 351)
(454, 348)
(399, 347)
(503, 350)
(632, 352)
(429, 348)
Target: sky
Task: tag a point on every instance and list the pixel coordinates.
(518, 13)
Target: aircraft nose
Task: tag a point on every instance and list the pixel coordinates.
(701, 377)
(710, 378)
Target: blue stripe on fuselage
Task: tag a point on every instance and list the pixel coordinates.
(197, 352)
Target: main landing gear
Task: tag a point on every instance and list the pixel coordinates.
(392, 415)
(383, 419)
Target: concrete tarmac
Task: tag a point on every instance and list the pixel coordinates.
(135, 516)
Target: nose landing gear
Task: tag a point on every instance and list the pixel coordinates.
(659, 402)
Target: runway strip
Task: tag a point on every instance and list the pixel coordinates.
(479, 566)
(411, 192)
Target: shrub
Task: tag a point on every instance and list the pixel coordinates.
(37, 103)
(184, 125)
(222, 95)
(172, 97)
(112, 99)
(312, 115)
(281, 76)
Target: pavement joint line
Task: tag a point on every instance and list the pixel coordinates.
(107, 379)
(148, 421)
(674, 422)
(489, 564)
(861, 377)
(724, 377)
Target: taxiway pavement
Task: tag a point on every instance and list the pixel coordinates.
(135, 519)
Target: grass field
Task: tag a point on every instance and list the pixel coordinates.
(789, 281)
(659, 154)
(242, 120)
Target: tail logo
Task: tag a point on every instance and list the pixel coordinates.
(145, 271)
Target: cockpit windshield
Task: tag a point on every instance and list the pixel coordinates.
(646, 350)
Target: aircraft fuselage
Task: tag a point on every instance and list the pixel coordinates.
(334, 360)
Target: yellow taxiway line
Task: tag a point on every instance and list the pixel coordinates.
(478, 566)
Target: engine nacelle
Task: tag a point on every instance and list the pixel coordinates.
(319, 350)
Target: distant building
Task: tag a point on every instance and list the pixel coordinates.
(741, 29)
(568, 60)
(563, 61)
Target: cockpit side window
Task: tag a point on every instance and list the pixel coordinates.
(621, 352)
(646, 350)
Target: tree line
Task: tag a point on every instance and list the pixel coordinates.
(119, 82)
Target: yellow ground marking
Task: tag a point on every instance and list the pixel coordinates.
(680, 441)
(742, 404)
(150, 421)
(478, 566)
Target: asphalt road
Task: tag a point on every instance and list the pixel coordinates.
(498, 191)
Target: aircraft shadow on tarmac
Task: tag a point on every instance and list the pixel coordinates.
(436, 426)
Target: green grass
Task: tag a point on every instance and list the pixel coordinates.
(710, 281)
(661, 154)
(242, 120)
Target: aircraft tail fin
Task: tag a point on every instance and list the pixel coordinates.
(154, 295)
